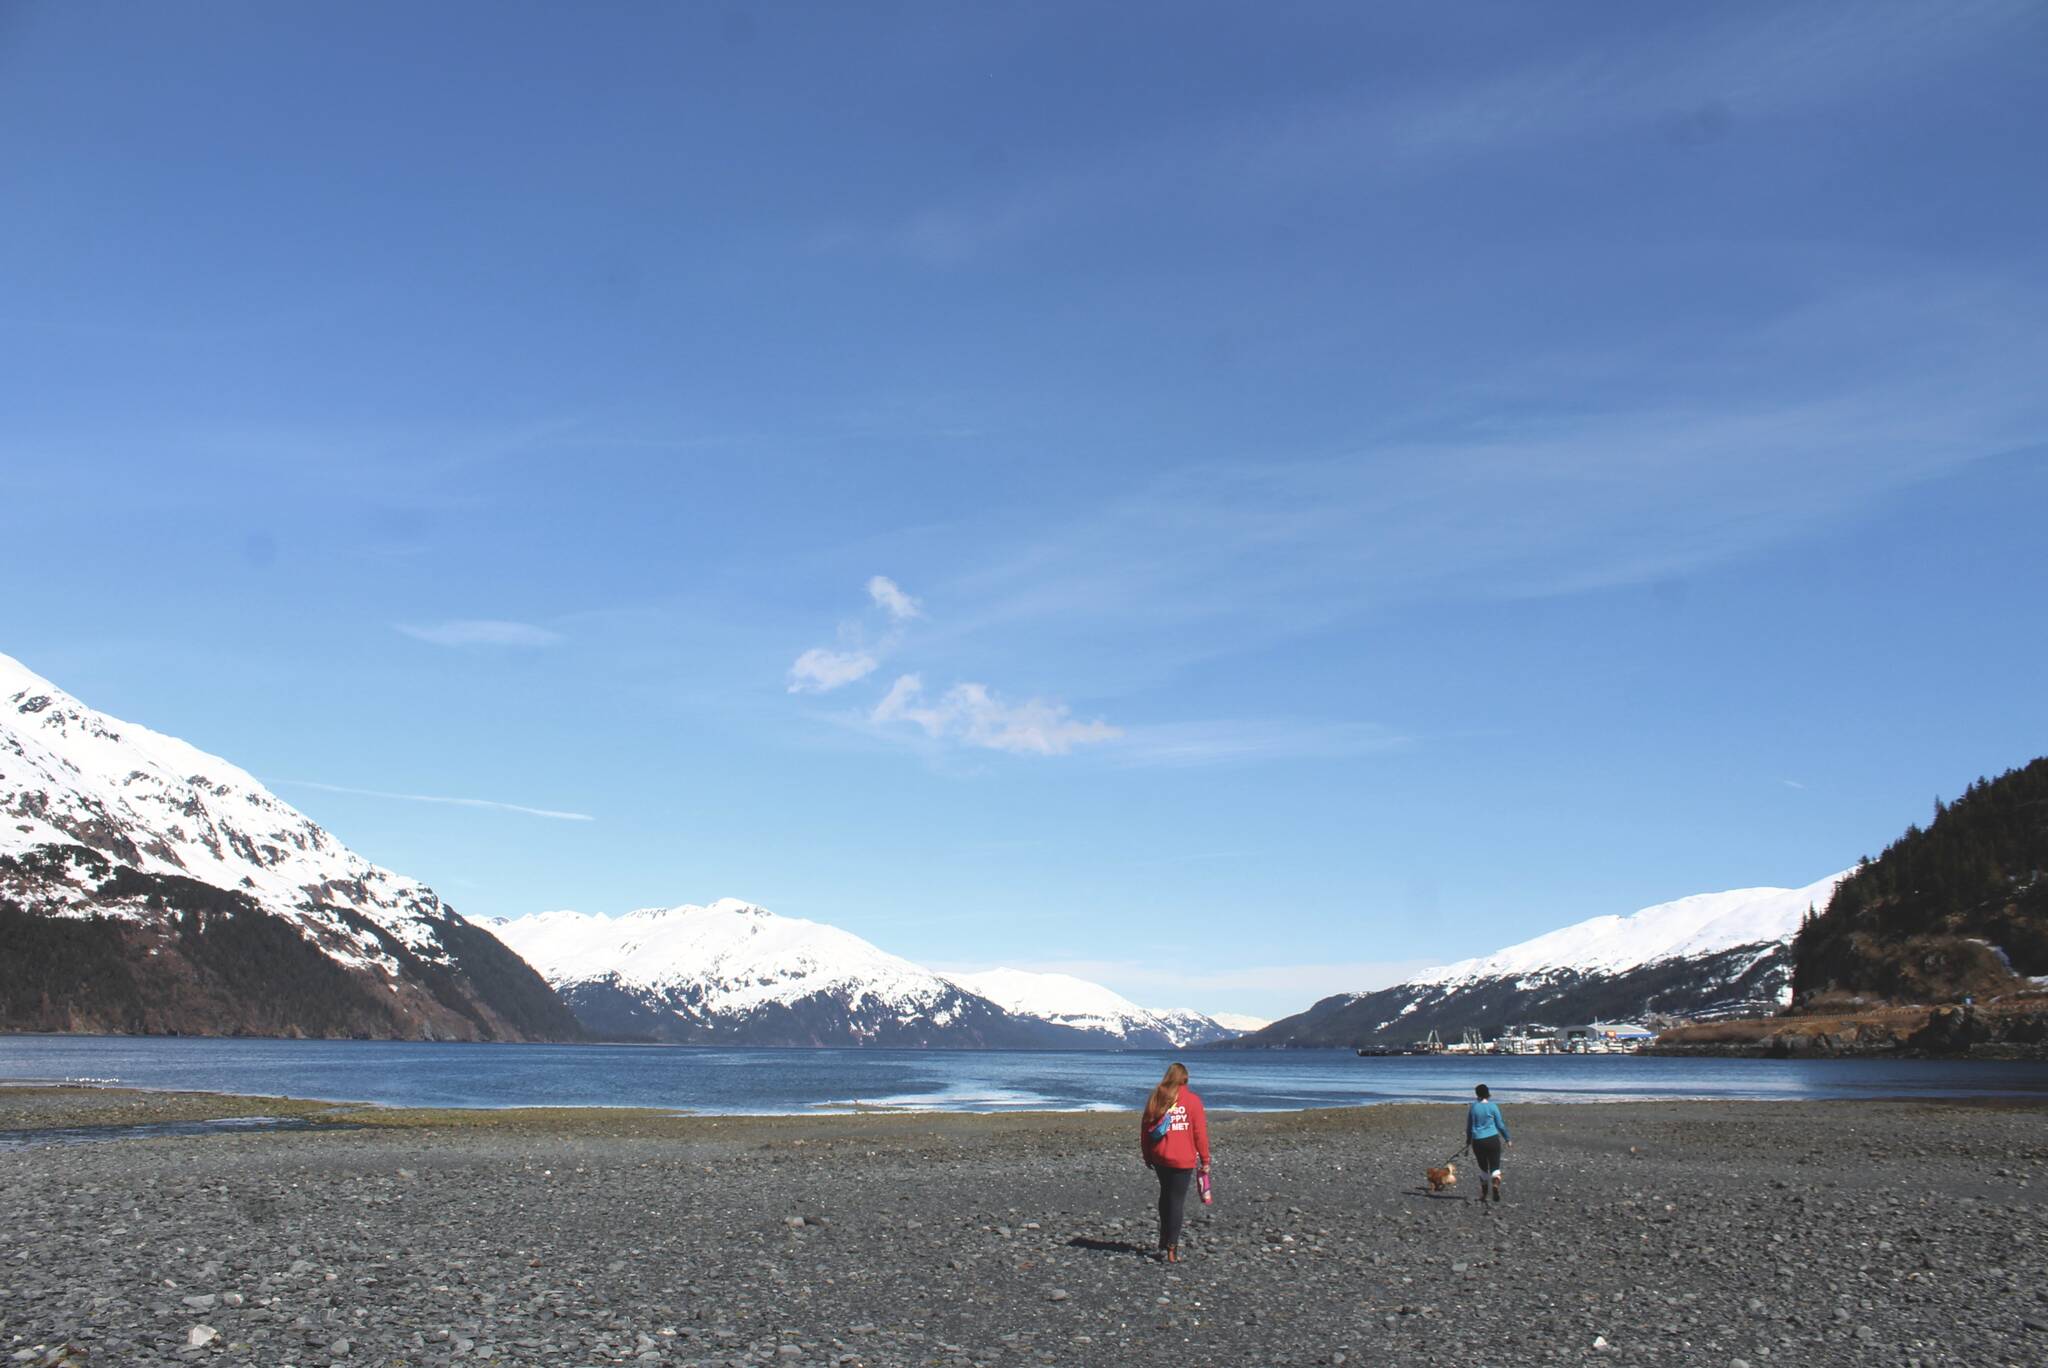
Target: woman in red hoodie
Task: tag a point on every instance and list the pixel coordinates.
(1174, 1140)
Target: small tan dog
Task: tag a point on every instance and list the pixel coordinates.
(1441, 1178)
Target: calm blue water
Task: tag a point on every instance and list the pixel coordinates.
(760, 1082)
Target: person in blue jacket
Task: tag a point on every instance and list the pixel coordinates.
(1485, 1133)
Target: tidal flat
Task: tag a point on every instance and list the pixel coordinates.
(1718, 1233)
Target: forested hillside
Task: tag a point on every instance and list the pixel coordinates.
(1955, 910)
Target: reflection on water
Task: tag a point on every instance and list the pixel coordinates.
(713, 1080)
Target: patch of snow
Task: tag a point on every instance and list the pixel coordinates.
(1705, 923)
(731, 957)
(70, 775)
(1066, 1000)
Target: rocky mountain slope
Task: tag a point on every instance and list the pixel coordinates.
(1065, 1000)
(1957, 910)
(1705, 956)
(146, 886)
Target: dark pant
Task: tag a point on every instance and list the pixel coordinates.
(1173, 1202)
(1486, 1153)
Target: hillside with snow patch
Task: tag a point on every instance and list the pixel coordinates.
(1698, 957)
(1077, 1003)
(734, 973)
(146, 885)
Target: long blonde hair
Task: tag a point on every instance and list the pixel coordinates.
(1166, 1094)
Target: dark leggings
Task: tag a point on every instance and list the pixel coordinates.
(1487, 1154)
(1173, 1202)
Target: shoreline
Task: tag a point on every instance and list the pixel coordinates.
(32, 1105)
(1670, 1232)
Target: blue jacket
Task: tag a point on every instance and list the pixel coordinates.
(1483, 1121)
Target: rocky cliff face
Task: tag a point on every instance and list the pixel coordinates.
(147, 886)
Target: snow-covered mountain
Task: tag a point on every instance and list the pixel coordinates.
(147, 885)
(1065, 1000)
(1711, 954)
(740, 974)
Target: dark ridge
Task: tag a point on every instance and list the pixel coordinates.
(1746, 980)
(212, 961)
(1956, 910)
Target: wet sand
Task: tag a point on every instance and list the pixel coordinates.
(1655, 1233)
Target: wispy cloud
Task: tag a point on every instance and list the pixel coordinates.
(1660, 476)
(973, 715)
(1792, 784)
(821, 670)
(892, 600)
(969, 713)
(1693, 83)
(489, 803)
(480, 632)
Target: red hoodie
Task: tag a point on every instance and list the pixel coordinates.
(1186, 1138)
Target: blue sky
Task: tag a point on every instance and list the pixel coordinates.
(1238, 502)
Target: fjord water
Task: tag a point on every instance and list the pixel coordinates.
(797, 1081)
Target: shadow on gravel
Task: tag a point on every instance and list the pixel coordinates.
(1428, 1196)
(1106, 1246)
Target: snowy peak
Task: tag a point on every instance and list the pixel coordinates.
(1702, 924)
(1065, 1000)
(726, 958)
(736, 971)
(183, 866)
(1705, 956)
(733, 972)
(70, 775)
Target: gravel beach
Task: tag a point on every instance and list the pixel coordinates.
(1649, 1233)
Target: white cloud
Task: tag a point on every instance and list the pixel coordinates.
(480, 632)
(822, 669)
(891, 599)
(819, 670)
(972, 715)
(437, 798)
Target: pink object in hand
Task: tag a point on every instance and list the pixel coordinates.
(1202, 1181)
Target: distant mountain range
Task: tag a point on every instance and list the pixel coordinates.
(1080, 1005)
(1705, 956)
(734, 973)
(146, 886)
(149, 887)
